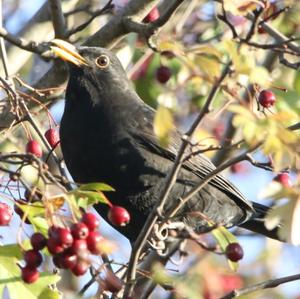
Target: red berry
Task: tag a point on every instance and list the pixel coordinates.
(118, 216)
(152, 15)
(163, 74)
(62, 237)
(219, 131)
(68, 260)
(79, 230)
(234, 252)
(78, 246)
(53, 248)
(284, 179)
(5, 214)
(93, 242)
(238, 168)
(266, 98)
(91, 221)
(52, 137)
(33, 258)
(80, 268)
(38, 241)
(30, 275)
(33, 147)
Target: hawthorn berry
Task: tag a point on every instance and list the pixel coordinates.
(152, 16)
(234, 252)
(5, 214)
(91, 221)
(33, 258)
(68, 260)
(33, 147)
(79, 230)
(80, 268)
(30, 275)
(62, 237)
(52, 137)
(163, 74)
(266, 98)
(93, 242)
(38, 241)
(284, 179)
(78, 246)
(53, 248)
(118, 216)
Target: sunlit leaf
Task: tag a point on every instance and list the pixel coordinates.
(205, 49)
(209, 66)
(96, 187)
(288, 215)
(171, 46)
(163, 124)
(260, 75)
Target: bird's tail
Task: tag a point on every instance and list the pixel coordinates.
(256, 223)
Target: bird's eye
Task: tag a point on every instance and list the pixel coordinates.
(102, 61)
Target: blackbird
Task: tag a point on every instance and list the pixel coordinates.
(107, 136)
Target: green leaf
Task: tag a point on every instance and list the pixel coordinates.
(96, 187)
(10, 276)
(89, 198)
(224, 238)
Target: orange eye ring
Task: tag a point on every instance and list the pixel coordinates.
(102, 61)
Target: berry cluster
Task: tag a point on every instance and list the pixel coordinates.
(69, 246)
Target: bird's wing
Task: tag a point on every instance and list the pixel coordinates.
(198, 164)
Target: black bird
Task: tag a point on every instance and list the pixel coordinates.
(107, 136)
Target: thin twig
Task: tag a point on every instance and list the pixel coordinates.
(272, 283)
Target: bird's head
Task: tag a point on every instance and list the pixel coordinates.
(96, 69)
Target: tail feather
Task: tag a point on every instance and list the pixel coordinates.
(257, 225)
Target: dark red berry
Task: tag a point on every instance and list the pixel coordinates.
(52, 137)
(38, 241)
(5, 214)
(234, 252)
(53, 248)
(80, 268)
(152, 15)
(78, 246)
(163, 74)
(219, 131)
(33, 147)
(266, 98)
(30, 275)
(68, 260)
(91, 221)
(33, 258)
(284, 179)
(79, 230)
(62, 237)
(118, 216)
(93, 241)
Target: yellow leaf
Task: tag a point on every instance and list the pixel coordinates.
(163, 124)
(56, 202)
(241, 7)
(209, 66)
(260, 75)
(206, 50)
(171, 46)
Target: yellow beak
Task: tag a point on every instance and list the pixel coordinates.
(67, 52)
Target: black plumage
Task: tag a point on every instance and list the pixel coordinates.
(107, 136)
